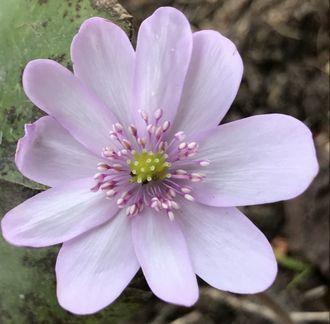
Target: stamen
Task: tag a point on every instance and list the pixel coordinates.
(107, 186)
(127, 144)
(158, 114)
(166, 126)
(192, 145)
(111, 193)
(159, 132)
(148, 171)
(144, 115)
(151, 129)
(180, 136)
(162, 146)
(133, 130)
(182, 146)
(141, 142)
(189, 197)
(196, 177)
(103, 166)
(172, 192)
(118, 128)
(186, 190)
(170, 215)
(175, 205)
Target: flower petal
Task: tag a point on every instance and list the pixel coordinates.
(214, 74)
(103, 58)
(162, 253)
(93, 269)
(256, 160)
(228, 251)
(57, 215)
(48, 154)
(59, 93)
(162, 58)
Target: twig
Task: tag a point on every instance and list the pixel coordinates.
(315, 293)
(163, 313)
(193, 317)
(323, 317)
(281, 314)
(242, 304)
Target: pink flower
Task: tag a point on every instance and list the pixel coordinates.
(168, 179)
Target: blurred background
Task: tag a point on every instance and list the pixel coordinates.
(285, 49)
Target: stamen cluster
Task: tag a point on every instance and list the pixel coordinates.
(148, 171)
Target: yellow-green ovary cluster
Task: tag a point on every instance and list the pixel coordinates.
(148, 166)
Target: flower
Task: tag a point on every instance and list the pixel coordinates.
(141, 174)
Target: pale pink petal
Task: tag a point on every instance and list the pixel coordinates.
(256, 160)
(59, 93)
(162, 253)
(227, 250)
(212, 81)
(93, 269)
(48, 154)
(162, 58)
(57, 215)
(103, 58)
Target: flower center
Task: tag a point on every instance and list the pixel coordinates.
(150, 171)
(148, 166)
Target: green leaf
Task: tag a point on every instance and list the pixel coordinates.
(31, 29)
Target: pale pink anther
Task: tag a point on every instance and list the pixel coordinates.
(172, 192)
(142, 142)
(175, 205)
(204, 163)
(189, 197)
(99, 176)
(117, 166)
(170, 215)
(108, 153)
(155, 203)
(132, 210)
(164, 205)
(111, 193)
(113, 135)
(158, 114)
(103, 166)
(118, 128)
(144, 116)
(166, 125)
(159, 132)
(127, 144)
(180, 172)
(150, 129)
(162, 146)
(192, 145)
(186, 190)
(182, 146)
(106, 186)
(195, 177)
(180, 136)
(133, 131)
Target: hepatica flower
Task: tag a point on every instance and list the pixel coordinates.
(140, 173)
